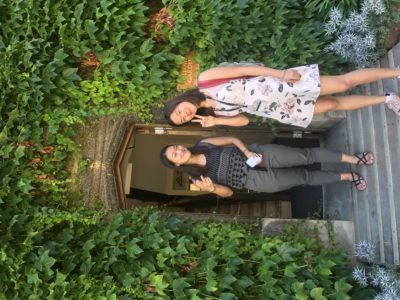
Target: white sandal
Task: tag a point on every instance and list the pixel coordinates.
(393, 102)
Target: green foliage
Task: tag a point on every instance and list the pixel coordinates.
(384, 23)
(142, 255)
(277, 33)
(324, 6)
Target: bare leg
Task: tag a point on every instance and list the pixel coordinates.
(335, 103)
(341, 83)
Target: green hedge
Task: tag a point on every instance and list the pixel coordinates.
(141, 255)
(278, 33)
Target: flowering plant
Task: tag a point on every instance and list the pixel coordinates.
(385, 279)
(355, 37)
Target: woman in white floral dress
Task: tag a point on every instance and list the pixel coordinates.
(289, 96)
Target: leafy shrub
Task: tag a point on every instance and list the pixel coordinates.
(385, 279)
(277, 33)
(324, 6)
(360, 37)
(141, 255)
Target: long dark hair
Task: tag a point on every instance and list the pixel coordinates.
(195, 171)
(193, 96)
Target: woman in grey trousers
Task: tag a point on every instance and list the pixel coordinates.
(217, 167)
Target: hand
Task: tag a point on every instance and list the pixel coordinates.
(205, 184)
(291, 75)
(250, 154)
(205, 121)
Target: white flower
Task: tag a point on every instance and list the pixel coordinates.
(360, 276)
(355, 39)
(375, 6)
(364, 249)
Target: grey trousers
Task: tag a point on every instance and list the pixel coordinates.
(279, 173)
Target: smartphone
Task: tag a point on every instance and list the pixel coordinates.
(253, 161)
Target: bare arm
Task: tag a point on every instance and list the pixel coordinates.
(226, 140)
(241, 71)
(206, 184)
(209, 121)
(230, 140)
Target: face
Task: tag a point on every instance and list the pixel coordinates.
(183, 112)
(177, 154)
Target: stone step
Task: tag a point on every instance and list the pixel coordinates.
(376, 129)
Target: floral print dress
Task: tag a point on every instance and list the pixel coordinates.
(267, 96)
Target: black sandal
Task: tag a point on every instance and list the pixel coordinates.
(362, 158)
(358, 181)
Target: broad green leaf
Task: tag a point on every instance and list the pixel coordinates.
(290, 270)
(19, 152)
(71, 74)
(88, 245)
(60, 55)
(25, 185)
(33, 277)
(158, 282)
(90, 28)
(86, 266)
(127, 280)
(4, 134)
(342, 286)
(245, 282)
(133, 249)
(178, 286)
(211, 285)
(145, 48)
(227, 296)
(47, 262)
(316, 293)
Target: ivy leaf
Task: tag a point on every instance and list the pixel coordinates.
(341, 286)
(236, 234)
(90, 29)
(157, 282)
(245, 282)
(133, 249)
(229, 279)
(4, 134)
(127, 280)
(19, 152)
(325, 267)
(179, 59)
(178, 286)
(88, 245)
(24, 185)
(227, 296)
(211, 285)
(290, 270)
(47, 262)
(33, 277)
(160, 260)
(193, 294)
(60, 55)
(316, 293)
(26, 60)
(145, 48)
(86, 266)
(71, 74)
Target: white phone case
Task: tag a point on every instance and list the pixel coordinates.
(253, 161)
